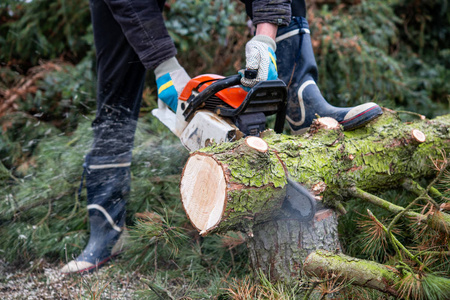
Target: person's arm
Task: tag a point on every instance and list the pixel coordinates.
(268, 29)
(143, 25)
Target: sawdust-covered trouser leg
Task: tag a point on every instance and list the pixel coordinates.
(120, 83)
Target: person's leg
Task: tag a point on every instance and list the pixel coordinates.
(107, 167)
(298, 69)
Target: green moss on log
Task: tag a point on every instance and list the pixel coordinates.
(375, 157)
(360, 272)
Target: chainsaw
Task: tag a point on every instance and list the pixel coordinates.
(216, 109)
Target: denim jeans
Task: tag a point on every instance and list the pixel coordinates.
(130, 37)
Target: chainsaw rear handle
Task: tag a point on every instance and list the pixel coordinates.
(215, 87)
(273, 92)
(270, 95)
(212, 89)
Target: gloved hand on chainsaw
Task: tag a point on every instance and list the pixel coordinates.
(171, 78)
(260, 56)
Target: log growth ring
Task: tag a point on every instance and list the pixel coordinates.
(203, 191)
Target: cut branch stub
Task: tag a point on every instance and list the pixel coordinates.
(418, 136)
(256, 143)
(326, 123)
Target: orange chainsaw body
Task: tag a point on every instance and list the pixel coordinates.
(233, 96)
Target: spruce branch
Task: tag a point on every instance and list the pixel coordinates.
(422, 117)
(26, 207)
(75, 208)
(47, 215)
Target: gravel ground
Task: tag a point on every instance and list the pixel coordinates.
(43, 281)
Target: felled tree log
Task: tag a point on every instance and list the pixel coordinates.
(233, 186)
(242, 185)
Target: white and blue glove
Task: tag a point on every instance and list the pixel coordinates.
(260, 56)
(171, 78)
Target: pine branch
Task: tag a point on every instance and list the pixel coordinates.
(366, 273)
(397, 243)
(437, 220)
(433, 253)
(414, 187)
(435, 193)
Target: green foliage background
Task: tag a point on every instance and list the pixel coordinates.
(393, 52)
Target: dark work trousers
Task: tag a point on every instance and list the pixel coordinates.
(120, 81)
(130, 37)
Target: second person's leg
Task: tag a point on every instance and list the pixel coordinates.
(298, 69)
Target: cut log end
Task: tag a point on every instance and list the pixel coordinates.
(256, 143)
(418, 136)
(324, 123)
(203, 191)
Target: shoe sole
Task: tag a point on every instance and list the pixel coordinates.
(362, 118)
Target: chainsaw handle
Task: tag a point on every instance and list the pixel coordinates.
(212, 89)
(273, 92)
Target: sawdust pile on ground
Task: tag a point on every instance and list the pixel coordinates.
(45, 282)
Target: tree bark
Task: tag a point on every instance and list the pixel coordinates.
(233, 186)
(240, 186)
(278, 248)
(361, 272)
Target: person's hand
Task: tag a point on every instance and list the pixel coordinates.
(171, 79)
(260, 56)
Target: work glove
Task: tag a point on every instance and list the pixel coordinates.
(171, 78)
(260, 56)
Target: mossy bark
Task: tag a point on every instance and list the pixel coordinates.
(331, 164)
(360, 272)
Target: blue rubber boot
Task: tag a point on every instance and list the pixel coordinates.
(298, 69)
(108, 187)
